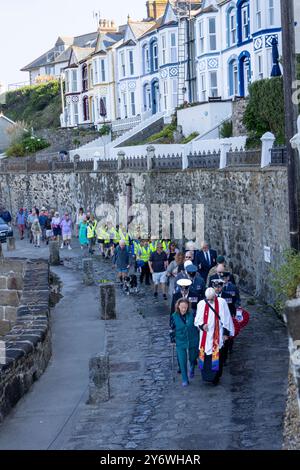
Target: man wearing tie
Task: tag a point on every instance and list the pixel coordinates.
(206, 259)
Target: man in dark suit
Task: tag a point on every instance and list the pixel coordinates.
(206, 259)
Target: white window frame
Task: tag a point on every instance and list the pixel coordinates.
(271, 12)
(96, 75)
(174, 92)
(76, 113)
(232, 27)
(155, 56)
(146, 59)
(245, 24)
(201, 37)
(74, 81)
(212, 35)
(125, 105)
(103, 70)
(173, 48)
(213, 88)
(131, 62)
(165, 94)
(259, 66)
(164, 49)
(122, 65)
(132, 103)
(67, 83)
(202, 89)
(258, 14)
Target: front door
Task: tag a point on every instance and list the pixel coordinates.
(155, 97)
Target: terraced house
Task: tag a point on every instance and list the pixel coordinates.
(183, 51)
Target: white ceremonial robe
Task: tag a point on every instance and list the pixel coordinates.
(226, 322)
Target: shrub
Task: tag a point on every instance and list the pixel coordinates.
(188, 139)
(26, 145)
(286, 278)
(104, 130)
(265, 109)
(226, 130)
(166, 134)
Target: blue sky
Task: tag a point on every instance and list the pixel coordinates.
(30, 27)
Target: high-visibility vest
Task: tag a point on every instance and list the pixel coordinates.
(145, 253)
(116, 235)
(136, 247)
(164, 245)
(91, 229)
(102, 234)
(124, 237)
(153, 246)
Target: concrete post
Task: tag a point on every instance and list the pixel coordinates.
(11, 243)
(185, 161)
(121, 158)
(150, 155)
(54, 253)
(107, 301)
(88, 271)
(99, 389)
(267, 140)
(96, 159)
(225, 148)
(1, 251)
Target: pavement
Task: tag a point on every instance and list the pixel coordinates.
(147, 409)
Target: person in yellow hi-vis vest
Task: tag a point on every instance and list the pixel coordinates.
(103, 239)
(91, 233)
(143, 258)
(124, 235)
(153, 244)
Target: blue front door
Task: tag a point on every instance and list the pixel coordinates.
(155, 97)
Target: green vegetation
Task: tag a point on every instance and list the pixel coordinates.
(25, 144)
(166, 136)
(189, 138)
(226, 130)
(286, 279)
(104, 130)
(38, 105)
(265, 111)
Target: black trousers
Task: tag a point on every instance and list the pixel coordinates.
(145, 273)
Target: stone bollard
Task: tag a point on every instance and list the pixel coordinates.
(99, 390)
(107, 301)
(54, 253)
(88, 271)
(11, 243)
(292, 317)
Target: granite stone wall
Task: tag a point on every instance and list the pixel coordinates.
(25, 349)
(238, 110)
(245, 208)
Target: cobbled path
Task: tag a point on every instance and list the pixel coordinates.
(148, 410)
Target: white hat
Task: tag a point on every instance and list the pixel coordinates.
(184, 282)
(187, 263)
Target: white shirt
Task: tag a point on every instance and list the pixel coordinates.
(226, 322)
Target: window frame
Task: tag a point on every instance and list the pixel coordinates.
(212, 35)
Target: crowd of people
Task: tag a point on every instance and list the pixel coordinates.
(204, 301)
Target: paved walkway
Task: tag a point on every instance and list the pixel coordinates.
(44, 416)
(147, 410)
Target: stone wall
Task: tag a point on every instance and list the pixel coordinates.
(238, 110)
(245, 208)
(25, 349)
(11, 285)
